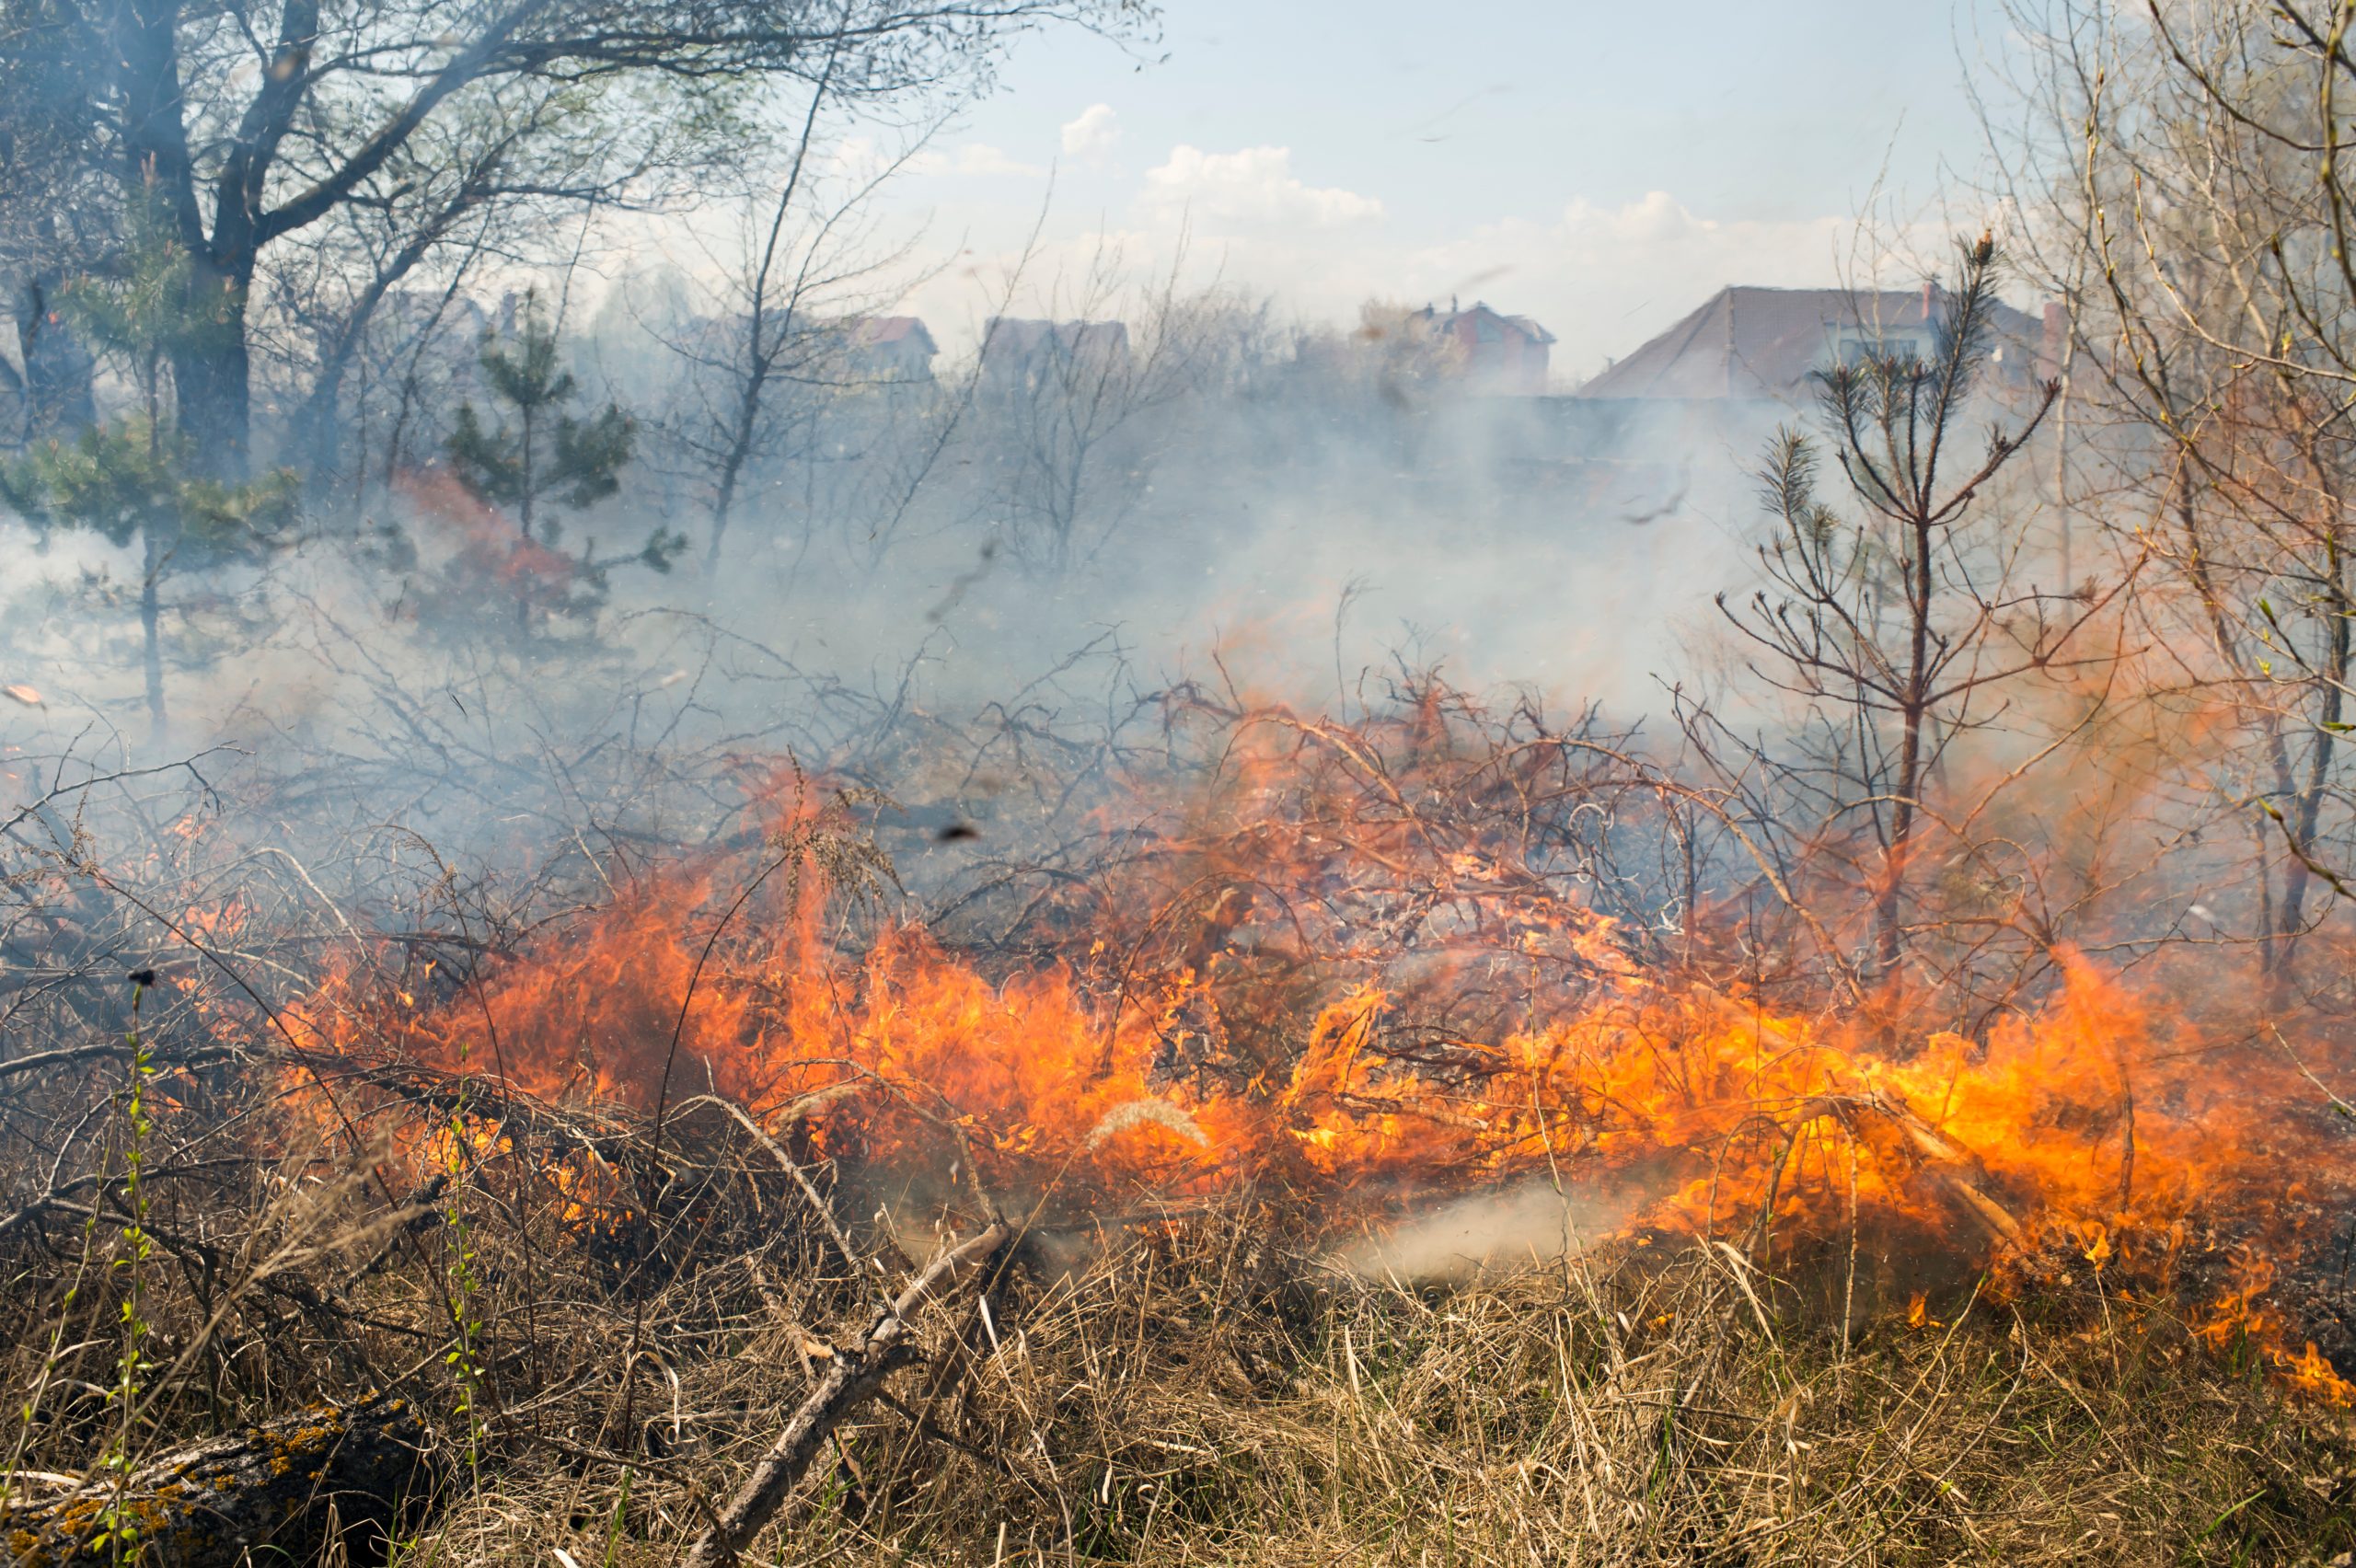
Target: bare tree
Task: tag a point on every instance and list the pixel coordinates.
(783, 342)
(1063, 401)
(2189, 171)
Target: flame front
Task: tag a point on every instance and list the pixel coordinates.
(1279, 1038)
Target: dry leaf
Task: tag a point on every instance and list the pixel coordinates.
(23, 694)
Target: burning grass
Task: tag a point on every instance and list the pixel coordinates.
(1383, 1184)
(1324, 1048)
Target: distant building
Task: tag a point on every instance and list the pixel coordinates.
(1023, 354)
(1765, 345)
(1490, 350)
(889, 349)
(1676, 427)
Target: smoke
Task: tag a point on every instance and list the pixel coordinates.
(1464, 1238)
(1301, 538)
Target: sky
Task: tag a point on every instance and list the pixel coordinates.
(1601, 166)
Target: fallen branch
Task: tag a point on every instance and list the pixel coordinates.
(854, 1374)
(349, 1480)
(1933, 1155)
(42, 1060)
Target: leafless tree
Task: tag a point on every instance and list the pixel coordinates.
(2187, 169)
(781, 346)
(1064, 401)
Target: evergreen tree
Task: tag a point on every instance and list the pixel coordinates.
(548, 452)
(139, 480)
(538, 452)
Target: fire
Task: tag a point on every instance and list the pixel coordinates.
(488, 547)
(2030, 1124)
(2238, 1318)
(1278, 1037)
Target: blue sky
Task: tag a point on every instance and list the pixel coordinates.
(1602, 167)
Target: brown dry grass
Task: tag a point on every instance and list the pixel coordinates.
(1196, 1396)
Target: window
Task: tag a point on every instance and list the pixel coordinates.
(1858, 350)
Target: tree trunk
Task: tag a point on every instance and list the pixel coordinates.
(319, 429)
(213, 384)
(56, 385)
(1890, 907)
(151, 613)
(731, 465)
(530, 480)
(2308, 805)
(212, 374)
(290, 1490)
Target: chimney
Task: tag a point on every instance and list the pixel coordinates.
(1930, 301)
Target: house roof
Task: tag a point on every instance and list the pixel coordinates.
(1444, 320)
(874, 331)
(1763, 343)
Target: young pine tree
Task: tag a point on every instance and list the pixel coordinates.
(537, 452)
(1907, 619)
(138, 480)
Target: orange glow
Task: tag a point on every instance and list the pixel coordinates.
(1274, 1038)
(488, 547)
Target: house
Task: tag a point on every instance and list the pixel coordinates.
(889, 349)
(1022, 355)
(1765, 345)
(1677, 426)
(1487, 350)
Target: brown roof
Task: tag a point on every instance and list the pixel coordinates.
(1762, 344)
(1442, 320)
(872, 330)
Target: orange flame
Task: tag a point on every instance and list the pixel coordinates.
(1287, 1053)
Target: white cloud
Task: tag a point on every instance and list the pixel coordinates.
(1255, 187)
(976, 158)
(1091, 136)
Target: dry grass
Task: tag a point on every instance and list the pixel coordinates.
(648, 1298)
(1206, 1386)
(1196, 1396)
